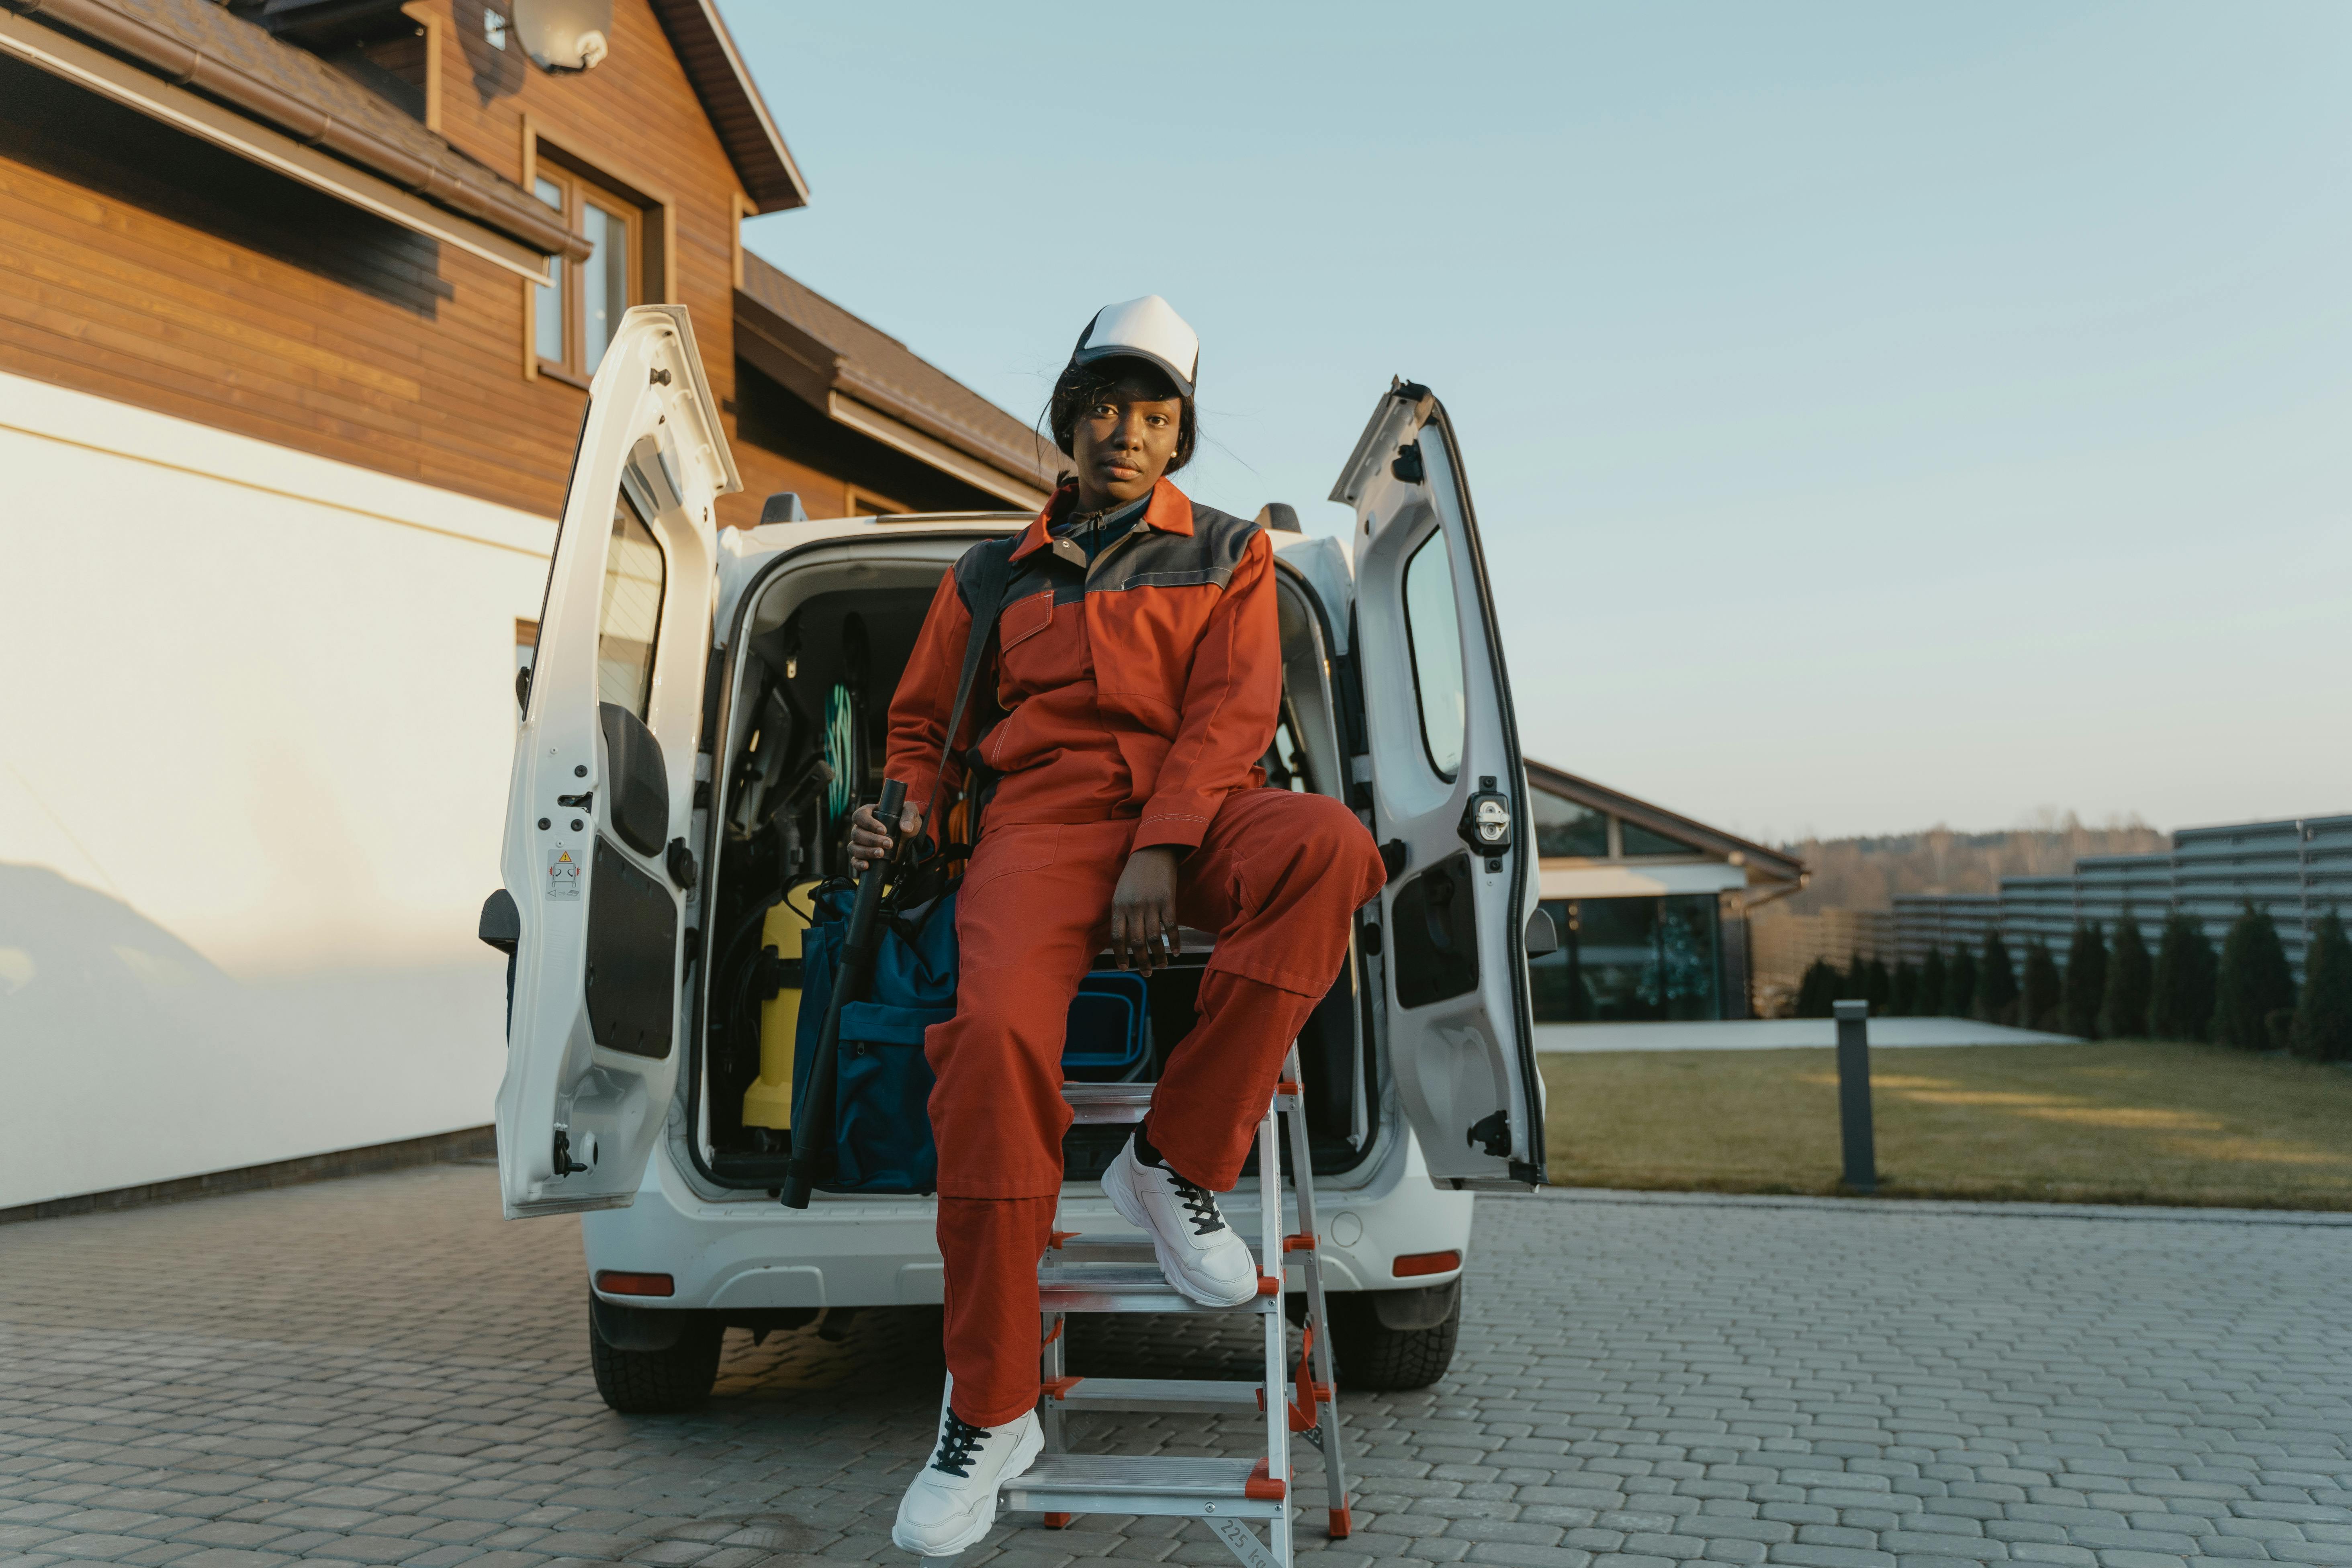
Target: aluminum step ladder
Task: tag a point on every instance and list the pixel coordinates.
(1080, 1274)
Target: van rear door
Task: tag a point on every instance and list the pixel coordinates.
(1447, 796)
(597, 861)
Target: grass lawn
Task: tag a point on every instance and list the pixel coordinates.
(2129, 1121)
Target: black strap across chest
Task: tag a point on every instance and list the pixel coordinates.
(987, 601)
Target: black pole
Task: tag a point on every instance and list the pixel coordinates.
(1853, 1095)
(813, 1123)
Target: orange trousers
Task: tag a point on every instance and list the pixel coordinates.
(1277, 879)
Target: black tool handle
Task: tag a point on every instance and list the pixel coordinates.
(813, 1123)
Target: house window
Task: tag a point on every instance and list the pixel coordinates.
(1630, 961)
(1640, 841)
(579, 308)
(1565, 827)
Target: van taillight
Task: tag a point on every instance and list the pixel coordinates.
(1414, 1263)
(613, 1282)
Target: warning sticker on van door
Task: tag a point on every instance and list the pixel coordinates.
(563, 874)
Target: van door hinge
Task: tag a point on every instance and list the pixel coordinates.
(1492, 1134)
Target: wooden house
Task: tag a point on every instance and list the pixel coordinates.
(299, 300)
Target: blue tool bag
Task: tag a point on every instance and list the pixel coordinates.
(881, 1117)
(882, 1087)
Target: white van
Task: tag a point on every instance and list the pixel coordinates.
(704, 709)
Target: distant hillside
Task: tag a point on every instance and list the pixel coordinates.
(1867, 873)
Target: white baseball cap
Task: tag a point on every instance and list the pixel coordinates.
(1146, 329)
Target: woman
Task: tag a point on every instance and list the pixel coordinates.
(1137, 674)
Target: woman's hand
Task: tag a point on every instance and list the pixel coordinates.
(1143, 912)
(869, 841)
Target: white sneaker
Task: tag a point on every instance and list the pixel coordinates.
(1198, 1251)
(952, 1502)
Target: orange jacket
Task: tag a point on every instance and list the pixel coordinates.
(1146, 685)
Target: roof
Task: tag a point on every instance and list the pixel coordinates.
(204, 45)
(731, 99)
(201, 44)
(862, 378)
(1759, 859)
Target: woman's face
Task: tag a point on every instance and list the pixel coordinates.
(1123, 442)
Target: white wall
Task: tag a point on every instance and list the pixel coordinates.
(256, 715)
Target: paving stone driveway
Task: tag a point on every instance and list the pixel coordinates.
(379, 1371)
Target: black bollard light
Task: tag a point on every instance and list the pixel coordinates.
(1853, 1095)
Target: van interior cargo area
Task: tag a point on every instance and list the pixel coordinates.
(824, 640)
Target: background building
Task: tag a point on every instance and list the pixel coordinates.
(1651, 908)
(297, 308)
(2297, 869)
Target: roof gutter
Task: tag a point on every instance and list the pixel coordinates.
(985, 477)
(1750, 903)
(516, 216)
(822, 376)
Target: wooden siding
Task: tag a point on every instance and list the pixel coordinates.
(140, 265)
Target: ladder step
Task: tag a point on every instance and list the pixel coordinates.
(1141, 1484)
(1107, 1104)
(1120, 1287)
(1114, 1104)
(1088, 1251)
(1181, 1395)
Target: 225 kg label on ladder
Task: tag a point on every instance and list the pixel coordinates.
(1241, 1541)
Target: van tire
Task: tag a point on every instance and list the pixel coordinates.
(657, 1382)
(1386, 1340)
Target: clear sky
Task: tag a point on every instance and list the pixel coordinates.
(1877, 415)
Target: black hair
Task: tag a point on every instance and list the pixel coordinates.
(1080, 386)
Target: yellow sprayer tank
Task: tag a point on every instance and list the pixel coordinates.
(769, 1102)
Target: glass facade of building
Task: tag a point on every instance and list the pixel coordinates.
(1630, 959)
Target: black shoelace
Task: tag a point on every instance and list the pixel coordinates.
(958, 1445)
(1200, 1203)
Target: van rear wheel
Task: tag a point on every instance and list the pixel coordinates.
(1390, 1339)
(659, 1377)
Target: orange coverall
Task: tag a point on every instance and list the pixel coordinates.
(1138, 694)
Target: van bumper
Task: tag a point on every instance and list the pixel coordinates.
(754, 1255)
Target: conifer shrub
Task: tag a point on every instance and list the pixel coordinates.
(2180, 983)
(2253, 982)
(2085, 987)
(1934, 985)
(1960, 987)
(1818, 990)
(1995, 981)
(1903, 990)
(2039, 1000)
(2123, 1012)
(2323, 1019)
(1877, 986)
